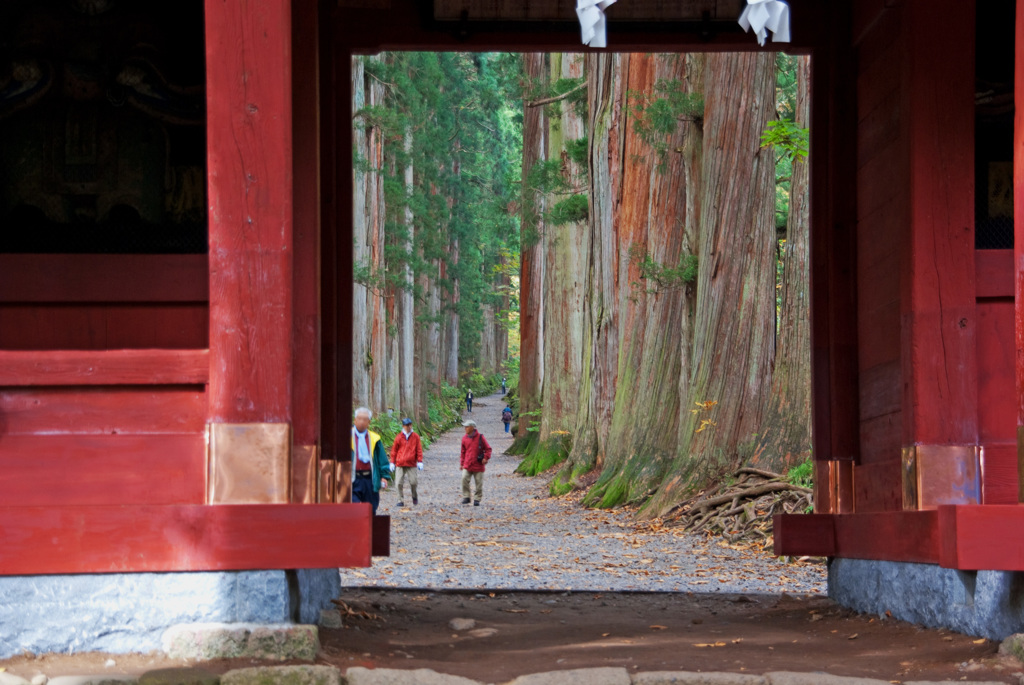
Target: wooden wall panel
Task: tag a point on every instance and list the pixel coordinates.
(103, 326)
(103, 278)
(117, 539)
(1018, 236)
(249, 168)
(104, 367)
(64, 470)
(102, 411)
(873, 489)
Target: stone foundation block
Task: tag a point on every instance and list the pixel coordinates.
(690, 678)
(393, 676)
(587, 676)
(204, 641)
(94, 680)
(283, 675)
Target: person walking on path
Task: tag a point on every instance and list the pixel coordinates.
(371, 469)
(469, 401)
(506, 417)
(407, 457)
(474, 455)
(504, 387)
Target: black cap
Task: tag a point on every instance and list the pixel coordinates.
(406, 422)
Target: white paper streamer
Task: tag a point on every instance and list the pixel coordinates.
(764, 16)
(592, 21)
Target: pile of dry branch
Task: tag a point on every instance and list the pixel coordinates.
(741, 509)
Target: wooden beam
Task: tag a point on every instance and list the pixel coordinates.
(249, 167)
(146, 538)
(88, 470)
(911, 536)
(982, 537)
(994, 271)
(67, 278)
(306, 164)
(1018, 237)
(104, 367)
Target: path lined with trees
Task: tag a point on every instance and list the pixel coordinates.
(519, 538)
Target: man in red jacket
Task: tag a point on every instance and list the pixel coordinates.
(407, 457)
(476, 452)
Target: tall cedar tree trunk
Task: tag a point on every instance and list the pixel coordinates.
(633, 356)
(735, 312)
(531, 281)
(786, 433)
(564, 247)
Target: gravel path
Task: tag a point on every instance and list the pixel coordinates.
(519, 538)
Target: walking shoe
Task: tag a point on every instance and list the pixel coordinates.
(476, 503)
(415, 501)
(400, 504)
(465, 500)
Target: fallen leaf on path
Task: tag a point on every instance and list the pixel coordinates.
(516, 611)
(709, 644)
(657, 627)
(852, 637)
(979, 642)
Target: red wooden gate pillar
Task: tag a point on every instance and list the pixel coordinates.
(249, 166)
(1018, 237)
(938, 299)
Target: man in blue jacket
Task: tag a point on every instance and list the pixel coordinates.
(371, 469)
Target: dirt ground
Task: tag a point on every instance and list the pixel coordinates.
(527, 632)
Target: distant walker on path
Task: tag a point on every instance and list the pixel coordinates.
(506, 417)
(407, 457)
(371, 469)
(469, 401)
(475, 454)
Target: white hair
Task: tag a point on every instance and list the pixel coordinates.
(363, 410)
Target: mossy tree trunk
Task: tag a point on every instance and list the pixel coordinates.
(734, 322)
(786, 434)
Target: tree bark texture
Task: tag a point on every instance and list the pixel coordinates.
(734, 319)
(786, 434)
(531, 259)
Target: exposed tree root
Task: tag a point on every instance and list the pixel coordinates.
(741, 508)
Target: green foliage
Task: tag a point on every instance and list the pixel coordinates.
(463, 142)
(571, 210)
(662, 277)
(578, 151)
(789, 138)
(657, 115)
(802, 475)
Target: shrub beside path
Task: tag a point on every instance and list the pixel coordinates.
(520, 538)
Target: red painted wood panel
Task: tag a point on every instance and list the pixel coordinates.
(1018, 235)
(103, 278)
(987, 537)
(880, 438)
(306, 138)
(893, 536)
(940, 355)
(910, 536)
(115, 539)
(878, 487)
(104, 367)
(102, 410)
(999, 473)
(63, 470)
(997, 420)
(994, 271)
(103, 326)
(249, 164)
(804, 535)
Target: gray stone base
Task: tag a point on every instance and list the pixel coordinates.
(983, 603)
(128, 612)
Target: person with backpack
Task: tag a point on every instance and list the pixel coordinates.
(407, 457)
(506, 417)
(475, 453)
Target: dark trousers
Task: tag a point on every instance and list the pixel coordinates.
(362, 491)
(469, 406)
